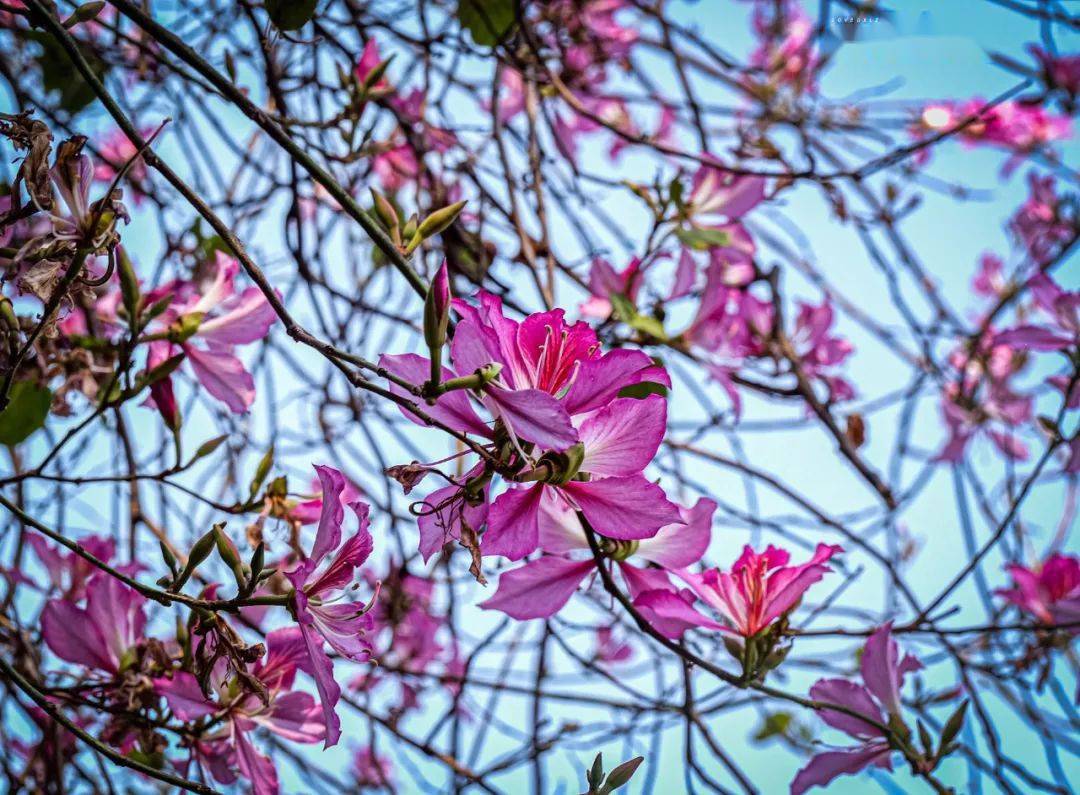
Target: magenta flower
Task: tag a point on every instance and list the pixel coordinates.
(609, 649)
(820, 350)
(542, 587)
(371, 769)
(223, 320)
(115, 150)
(1042, 223)
(1014, 126)
(760, 588)
(1059, 71)
(619, 441)
(1062, 308)
(605, 281)
(554, 388)
(716, 192)
(366, 64)
(100, 635)
(293, 715)
(1049, 591)
(979, 399)
(68, 572)
(319, 614)
(877, 699)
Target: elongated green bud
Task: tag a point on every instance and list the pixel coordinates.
(435, 223)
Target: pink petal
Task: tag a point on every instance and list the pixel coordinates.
(294, 716)
(454, 409)
(71, 636)
(538, 589)
(224, 377)
(677, 546)
(247, 319)
(598, 381)
(622, 438)
(624, 508)
(513, 523)
(824, 767)
(843, 693)
(322, 671)
(787, 586)
(255, 767)
(670, 613)
(328, 534)
(533, 415)
(880, 668)
(1035, 338)
(184, 696)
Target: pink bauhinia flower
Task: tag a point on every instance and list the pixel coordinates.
(819, 350)
(542, 587)
(1043, 223)
(877, 700)
(101, 634)
(618, 442)
(715, 192)
(1014, 126)
(547, 387)
(222, 319)
(1049, 591)
(1059, 71)
(116, 149)
(292, 715)
(371, 769)
(980, 400)
(605, 281)
(68, 572)
(761, 587)
(1062, 310)
(319, 613)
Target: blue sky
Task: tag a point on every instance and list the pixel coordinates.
(931, 50)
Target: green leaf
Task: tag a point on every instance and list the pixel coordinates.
(703, 239)
(58, 74)
(262, 471)
(952, 727)
(626, 312)
(25, 413)
(488, 21)
(290, 14)
(596, 775)
(775, 725)
(642, 390)
(208, 447)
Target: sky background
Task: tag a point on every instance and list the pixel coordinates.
(930, 50)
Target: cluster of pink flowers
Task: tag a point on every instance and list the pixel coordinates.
(1017, 127)
(1049, 591)
(980, 396)
(1046, 222)
(206, 320)
(396, 160)
(787, 50)
(731, 326)
(411, 637)
(220, 689)
(582, 40)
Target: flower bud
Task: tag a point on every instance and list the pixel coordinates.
(434, 223)
(437, 309)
